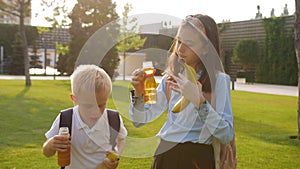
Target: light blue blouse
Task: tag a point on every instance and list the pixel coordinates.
(191, 124)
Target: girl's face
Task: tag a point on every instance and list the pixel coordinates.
(189, 44)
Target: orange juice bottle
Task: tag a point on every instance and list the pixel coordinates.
(64, 157)
(149, 84)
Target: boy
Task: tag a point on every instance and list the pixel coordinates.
(91, 88)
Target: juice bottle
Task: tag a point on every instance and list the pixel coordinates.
(64, 157)
(149, 84)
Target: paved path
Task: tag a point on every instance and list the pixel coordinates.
(255, 87)
(268, 88)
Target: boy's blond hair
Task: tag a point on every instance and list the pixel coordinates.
(90, 79)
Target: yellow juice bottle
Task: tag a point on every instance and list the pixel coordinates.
(149, 84)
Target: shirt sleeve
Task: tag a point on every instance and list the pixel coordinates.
(54, 128)
(123, 131)
(218, 121)
(141, 113)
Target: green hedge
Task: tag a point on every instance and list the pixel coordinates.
(8, 40)
(278, 62)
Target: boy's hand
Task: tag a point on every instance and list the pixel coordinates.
(60, 143)
(110, 164)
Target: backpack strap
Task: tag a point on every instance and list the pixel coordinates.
(114, 123)
(66, 119)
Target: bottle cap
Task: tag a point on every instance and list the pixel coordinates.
(63, 131)
(147, 64)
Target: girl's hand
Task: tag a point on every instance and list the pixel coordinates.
(137, 82)
(189, 90)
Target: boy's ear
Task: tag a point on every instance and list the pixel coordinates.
(73, 97)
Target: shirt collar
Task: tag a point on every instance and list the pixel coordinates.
(82, 125)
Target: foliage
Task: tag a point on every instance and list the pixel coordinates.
(62, 62)
(8, 36)
(17, 59)
(20, 9)
(278, 63)
(246, 51)
(261, 120)
(62, 51)
(59, 15)
(130, 38)
(297, 50)
(87, 17)
(35, 61)
(58, 19)
(223, 26)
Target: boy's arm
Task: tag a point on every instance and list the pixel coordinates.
(48, 151)
(120, 144)
(56, 143)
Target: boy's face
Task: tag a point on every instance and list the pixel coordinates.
(91, 107)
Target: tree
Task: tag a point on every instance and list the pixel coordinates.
(130, 39)
(297, 48)
(58, 20)
(35, 61)
(246, 53)
(17, 66)
(63, 51)
(277, 63)
(87, 17)
(20, 9)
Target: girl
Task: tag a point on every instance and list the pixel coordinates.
(192, 137)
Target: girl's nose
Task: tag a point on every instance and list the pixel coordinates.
(181, 48)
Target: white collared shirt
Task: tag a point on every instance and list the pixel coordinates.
(88, 145)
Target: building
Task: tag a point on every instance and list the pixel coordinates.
(45, 45)
(133, 60)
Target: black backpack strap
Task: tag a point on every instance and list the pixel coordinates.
(114, 126)
(66, 119)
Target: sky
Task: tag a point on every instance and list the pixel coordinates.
(232, 10)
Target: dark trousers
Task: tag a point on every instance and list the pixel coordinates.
(183, 156)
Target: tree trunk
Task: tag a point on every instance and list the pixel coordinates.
(25, 46)
(297, 49)
(124, 56)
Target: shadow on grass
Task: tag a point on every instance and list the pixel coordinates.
(23, 92)
(265, 132)
(120, 97)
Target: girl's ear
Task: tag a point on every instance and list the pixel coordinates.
(73, 97)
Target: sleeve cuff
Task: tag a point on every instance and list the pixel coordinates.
(203, 110)
(137, 102)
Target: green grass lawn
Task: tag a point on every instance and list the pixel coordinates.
(263, 124)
